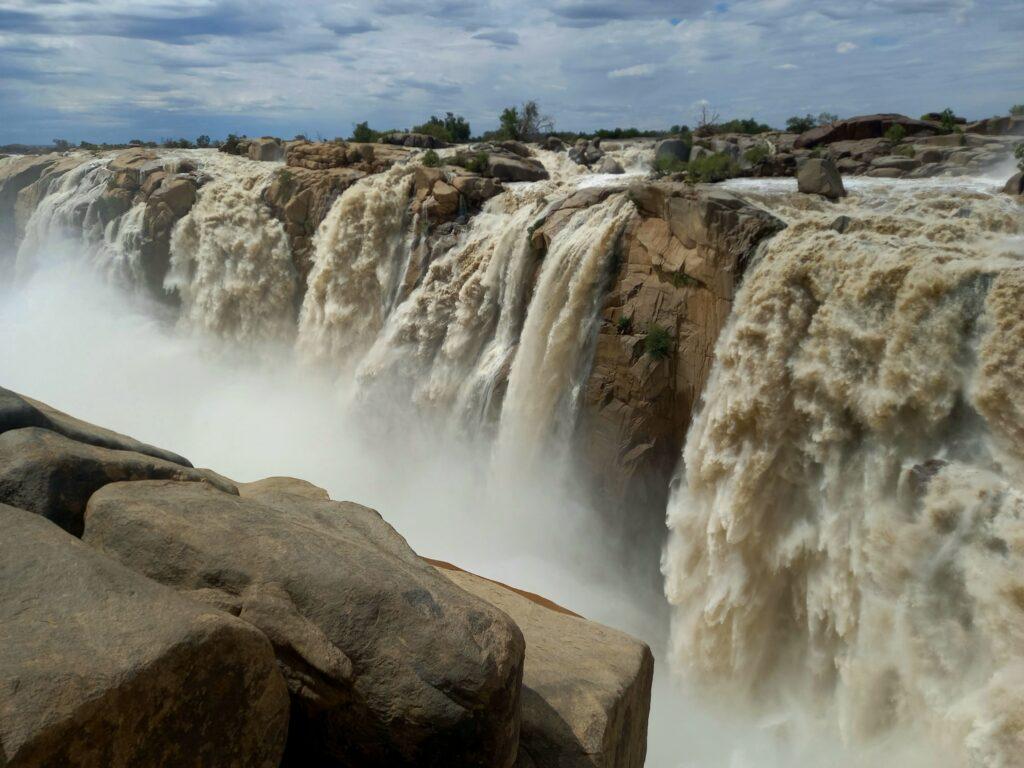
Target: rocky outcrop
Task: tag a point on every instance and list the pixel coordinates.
(16, 175)
(1015, 184)
(862, 127)
(54, 476)
(586, 152)
(678, 267)
(586, 688)
(266, 149)
(102, 668)
(450, 192)
(1007, 125)
(820, 177)
(416, 140)
(387, 662)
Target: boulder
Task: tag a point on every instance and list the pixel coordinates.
(267, 149)
(1007, 125)
(417, 140)
(103, 668)
(447, 198)
(1015, 184)
(896, 161)
(514, 168)
(841, 224)
(586, 687)
(53, 476)
(863, 127)
(553, 144)
(609, 164)
(672, 150)
(819, 176)
(317, 156)
(516, 148)
(886, 173)
(18, 411)
(128, 166)
(388, 663)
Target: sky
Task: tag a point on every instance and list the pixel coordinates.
(114, 70)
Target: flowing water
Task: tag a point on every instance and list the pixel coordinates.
(849, 527)
(846, 540)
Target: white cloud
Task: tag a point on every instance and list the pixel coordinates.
(846, 47)
(637, 70)
(786, 66)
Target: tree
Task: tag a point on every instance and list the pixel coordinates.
(364, 133)
(797, 124)
(1017, 110)
(707, 120)
(525, 123)
(61, 145)
(203, 141)
(827, 118)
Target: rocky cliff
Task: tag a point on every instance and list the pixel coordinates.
(155, 614)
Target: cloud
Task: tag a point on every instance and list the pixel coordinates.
(589, 13)
(846, 47)
(786, 66)
(637, 70)
(500, 37)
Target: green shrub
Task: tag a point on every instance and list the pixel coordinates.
(756, 154)
(679, 279)
(658, 341)
(1018, 152)
(896, 133)
(797, 124)
(362, 132)
(625, 325)
(1017, 110)
(668, 165)
(947, 118)
(431, 159)
(712, 168)
(905, 150)
(477, 163)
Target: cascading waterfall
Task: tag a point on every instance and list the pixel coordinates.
(362, 252)
(552, 361)
(447, 345)
(849, 527)
(230, 260)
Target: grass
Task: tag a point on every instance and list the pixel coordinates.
(756, 154)
(707, 169)
(658, 342)
(625, 325)
(431, 159)
(477, 163)
(669, 165)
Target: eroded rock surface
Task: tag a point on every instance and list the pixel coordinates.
(387, 662)
(102, 668)
(586, 687)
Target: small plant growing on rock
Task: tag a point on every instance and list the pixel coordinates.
(1018, 152)
(625, 325)
(665, 166)
(431, 159)
(905, 150)
(947, 119)
(658, 342)
(680, 279)
(896, 133)
(478, 163)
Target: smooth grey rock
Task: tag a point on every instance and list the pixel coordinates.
(102, 668)
(514, 168)
(17, 411)
(672, 149)
(1015, 184)
(896, 161)
(840, 224)
(819, 176)
(54, 476)
(388, 663)
(609, 164)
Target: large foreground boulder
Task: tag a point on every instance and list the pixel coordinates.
(54, 476)
(586, 687)
(1015, 184)
(102, 668)
(18, 411)
(819, 176)
(388, 663)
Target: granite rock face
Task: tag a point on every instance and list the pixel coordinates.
(102, 668)
(387, 662)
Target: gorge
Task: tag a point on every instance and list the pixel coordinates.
(523, 366)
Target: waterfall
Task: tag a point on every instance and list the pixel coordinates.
(230, 259)
(849, 525)
(361, 253)
(552, 362)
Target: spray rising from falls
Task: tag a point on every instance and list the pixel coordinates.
(850, 524)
